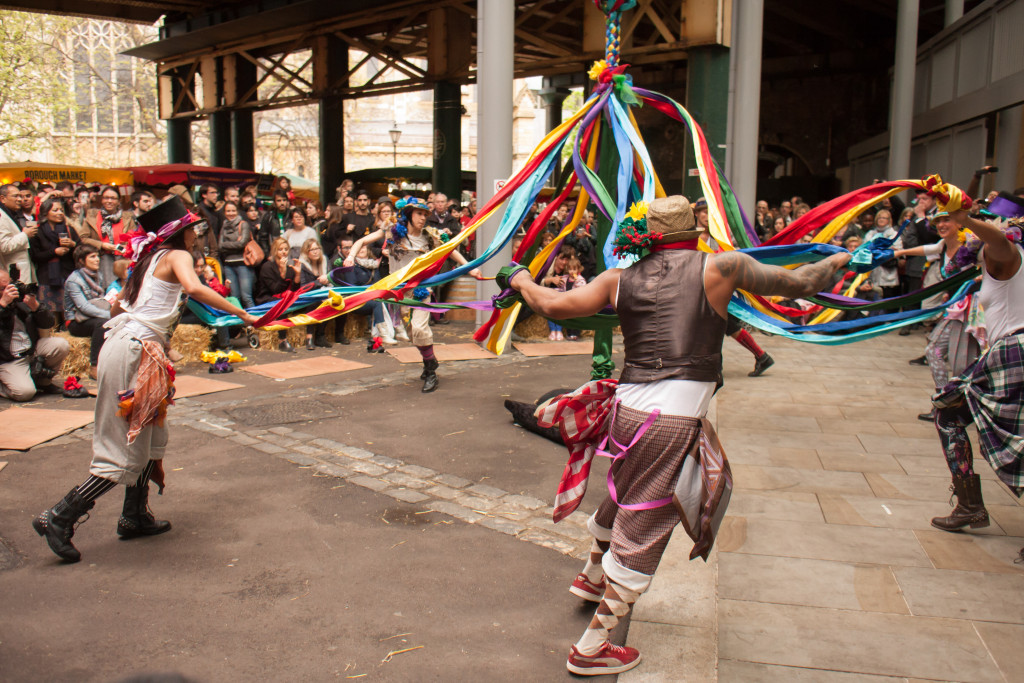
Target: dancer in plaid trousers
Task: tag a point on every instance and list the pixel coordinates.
(672, 305)
(990, 393)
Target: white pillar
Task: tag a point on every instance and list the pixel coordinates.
(902, 110)
(730, 127)
(746, 101)
(494, 75)
(954, 10)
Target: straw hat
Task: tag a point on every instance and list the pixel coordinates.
(672, 217)
(182, 192)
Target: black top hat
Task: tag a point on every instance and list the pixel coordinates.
(165, 213)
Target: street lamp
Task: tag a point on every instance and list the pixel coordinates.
(395, 134)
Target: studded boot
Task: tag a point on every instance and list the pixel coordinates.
(136, 519)
(970, 508)
(57, 525)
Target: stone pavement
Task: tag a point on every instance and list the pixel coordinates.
(827, 566)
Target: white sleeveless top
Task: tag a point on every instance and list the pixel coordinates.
(1003, 301)
(154, 311)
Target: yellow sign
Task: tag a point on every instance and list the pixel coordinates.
(55, 173)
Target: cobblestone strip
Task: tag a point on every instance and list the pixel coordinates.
(524, 517)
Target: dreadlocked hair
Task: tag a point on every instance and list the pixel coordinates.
(134, 284)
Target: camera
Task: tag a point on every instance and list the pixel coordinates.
(23, 289)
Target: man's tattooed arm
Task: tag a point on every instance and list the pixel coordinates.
(757, 278)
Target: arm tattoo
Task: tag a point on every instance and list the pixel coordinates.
(757, 278)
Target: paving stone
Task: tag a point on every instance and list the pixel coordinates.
(487, 491)
(353, 452)
(302, 436)
(308, 450)
(279, 440)
(405, 480)
(417, 471)
(538, 537)
(503, 525)
(243, 440)
(369, 483)
(560, 529)
(329, 444)
(443, 492)
(452, 481)
(476, 502)
(368, 468)
(385, 461)
(333, 470)
(279, 430)
(407, 495)
(298, 459)
(332, 458)
(455, 510)
(528, 502)
(269, 448)
(61, 441)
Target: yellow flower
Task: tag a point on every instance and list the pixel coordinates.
(638, 211)
(596, 70)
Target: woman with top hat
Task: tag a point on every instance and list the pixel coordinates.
(407, 240)
(136, 379)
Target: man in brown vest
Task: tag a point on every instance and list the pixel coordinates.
(672, 305)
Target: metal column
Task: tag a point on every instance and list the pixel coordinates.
(954, 10)
(553, 98)
(332, 121)
(447, 173)
(179, 130)
(902, 117)
(495, 27)
(243, 147)
(707, 100)
(749, 18)
(220, 139)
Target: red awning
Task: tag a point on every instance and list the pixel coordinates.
(188, 174)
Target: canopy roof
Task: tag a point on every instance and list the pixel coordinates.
(188, 174)
(55, 173)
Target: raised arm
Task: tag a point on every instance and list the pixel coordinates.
(182, 266)
(732, 270)
(368, 238)
(1002, 258)
(575, 303)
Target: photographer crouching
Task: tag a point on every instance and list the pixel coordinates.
(27, 363)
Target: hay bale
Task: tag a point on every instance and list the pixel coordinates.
(191, 341)
(77, 361)
(356, 327)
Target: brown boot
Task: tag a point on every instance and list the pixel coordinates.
(970, 508)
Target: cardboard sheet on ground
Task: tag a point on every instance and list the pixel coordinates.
(23, 428)
(305, 367)
(444, 352)
(562, 348)
(189, 385)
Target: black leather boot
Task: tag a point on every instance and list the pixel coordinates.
(970, 508)
(763, 362)
(429, 375)
(58, 527)
(136, 519)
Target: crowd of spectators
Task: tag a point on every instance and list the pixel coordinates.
(68, 242)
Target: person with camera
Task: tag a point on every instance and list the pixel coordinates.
(109, 230)
(13, 238)
(27, 363)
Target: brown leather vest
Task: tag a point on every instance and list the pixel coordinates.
(669, 328)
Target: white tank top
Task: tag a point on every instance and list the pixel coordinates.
(1003, 301)
(155, 309)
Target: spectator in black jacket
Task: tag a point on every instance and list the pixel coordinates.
(52, 251)
(208, 196)
(27, 363)
(277, 275)
(584, 244)
(441, 218)
(918, 233)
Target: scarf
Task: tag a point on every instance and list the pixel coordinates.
(95, 287)
(108, 222)
(368, 263)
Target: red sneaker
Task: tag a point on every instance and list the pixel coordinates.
(610, 659)
(587, 589)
